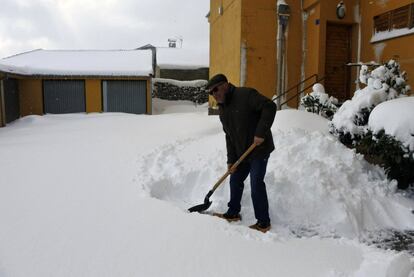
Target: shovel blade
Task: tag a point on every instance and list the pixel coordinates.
(200, 208)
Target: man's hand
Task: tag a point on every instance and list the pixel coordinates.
(258, 140)
(229, 167)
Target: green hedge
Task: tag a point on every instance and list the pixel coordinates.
(386, 151)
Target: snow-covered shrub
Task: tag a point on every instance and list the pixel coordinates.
(384, 83)
(319, 102)
(386, 151)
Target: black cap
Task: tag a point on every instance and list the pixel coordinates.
(215, 80)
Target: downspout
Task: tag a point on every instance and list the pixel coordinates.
(358, 19)
(243, 64)
(283, 13)
(279, 64)
(304, 43)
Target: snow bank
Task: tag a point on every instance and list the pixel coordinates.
(315, 184)
(79, 196)
(396, 118)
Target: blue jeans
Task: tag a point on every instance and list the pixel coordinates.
(257, 170)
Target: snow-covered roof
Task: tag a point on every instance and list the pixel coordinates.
(80, 63)
(182, 58)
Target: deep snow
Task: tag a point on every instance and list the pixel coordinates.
(106, 195)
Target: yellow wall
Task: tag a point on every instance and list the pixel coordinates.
(258, 38)
(93, 95)
(400, 48)
(225, 40)
(293, 60)
(31, 96)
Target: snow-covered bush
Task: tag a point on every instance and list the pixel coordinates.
(384, 83)
(378, 122)
(319, 102)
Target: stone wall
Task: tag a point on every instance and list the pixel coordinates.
(183, 74)
(169, 89)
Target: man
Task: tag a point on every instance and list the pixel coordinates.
(246, 116)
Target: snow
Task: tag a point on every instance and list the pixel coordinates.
(80, 62)
(391, 34)
(182, 58)
(395, 117)
(107, 195)
(193, 83)
(376, 92)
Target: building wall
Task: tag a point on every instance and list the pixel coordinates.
(31, 96)
(318, 15)
(225, 39)
(93, 91)
(293, 48)
(243, 40)
(258, 44)
(399, 48)
(2, 111)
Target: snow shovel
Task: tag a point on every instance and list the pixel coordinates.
(207, 202)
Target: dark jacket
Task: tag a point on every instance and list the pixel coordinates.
(245, 114)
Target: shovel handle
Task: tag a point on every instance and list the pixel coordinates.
(233, 167)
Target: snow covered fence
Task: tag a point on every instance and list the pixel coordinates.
(169, 89)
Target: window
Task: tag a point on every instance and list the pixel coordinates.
(396, 19)
(394, 23)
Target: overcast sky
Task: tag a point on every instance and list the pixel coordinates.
(100, 24)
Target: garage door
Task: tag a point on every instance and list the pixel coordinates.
(64, 96)
(125, 96)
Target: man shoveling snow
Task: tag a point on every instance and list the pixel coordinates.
(247, 117)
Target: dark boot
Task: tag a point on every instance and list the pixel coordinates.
(229, 217)
(260, 226)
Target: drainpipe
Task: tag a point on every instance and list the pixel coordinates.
(283, 13)
(243, 64)
(304, 45)
(359, 18)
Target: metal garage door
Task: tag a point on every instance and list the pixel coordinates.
(64, 96)
(11, 100)
(125, 96)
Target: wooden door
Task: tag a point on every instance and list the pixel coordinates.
(338, 54)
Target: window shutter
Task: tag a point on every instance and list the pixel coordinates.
(382, 22)
(400, 17)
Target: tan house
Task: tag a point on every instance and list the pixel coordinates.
(59, 81)
(318, 40)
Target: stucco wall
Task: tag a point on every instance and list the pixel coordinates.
(400, 48)
(258, 41)
(31, 96)
(93, 90)
(225, 39)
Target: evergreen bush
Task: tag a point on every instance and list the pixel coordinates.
(386, 151)
(319, 102)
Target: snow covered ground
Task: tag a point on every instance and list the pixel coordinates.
(107, 195)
